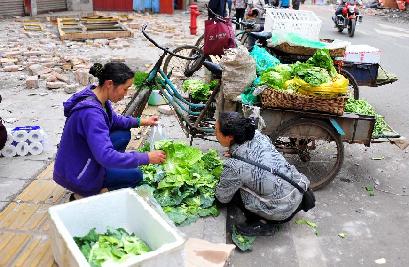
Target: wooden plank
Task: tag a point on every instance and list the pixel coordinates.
(12, 248)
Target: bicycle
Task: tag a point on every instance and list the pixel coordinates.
(191, 116)
(189, 68)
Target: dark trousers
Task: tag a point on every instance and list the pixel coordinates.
(239, 16)
(122, 178)
(253, 217)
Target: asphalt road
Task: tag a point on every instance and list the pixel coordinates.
(375, 227)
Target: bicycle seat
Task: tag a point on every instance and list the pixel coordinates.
(262, 36)
(214, 68)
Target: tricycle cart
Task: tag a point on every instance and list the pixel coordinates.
(312, 141)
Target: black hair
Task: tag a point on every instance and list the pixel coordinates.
(233, 123)
(119, 73)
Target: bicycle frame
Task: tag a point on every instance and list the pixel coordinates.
(182, 107)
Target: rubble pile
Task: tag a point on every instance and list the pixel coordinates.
(42, 60)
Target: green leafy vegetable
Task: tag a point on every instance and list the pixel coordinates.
(199, 90)
(243, 242)
(139, 78)
(273, 79)
(342, 235)
(362, 107)
(114, 245)
(310, 224)
(322, 59)
(311, 74)
(185, 184)
(370, 191)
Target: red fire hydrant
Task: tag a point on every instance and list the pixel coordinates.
(194, 12)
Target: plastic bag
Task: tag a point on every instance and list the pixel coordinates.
(157, 134)
(337, 87)
(263, 59)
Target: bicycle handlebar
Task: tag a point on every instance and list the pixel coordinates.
(163, 48)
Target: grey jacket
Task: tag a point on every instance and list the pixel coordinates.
(263, 193)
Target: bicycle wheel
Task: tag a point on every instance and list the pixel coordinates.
(353, 87)
(313, 147)
(182, 68)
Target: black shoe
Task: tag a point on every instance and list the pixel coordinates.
(258, 229)
(72, 197)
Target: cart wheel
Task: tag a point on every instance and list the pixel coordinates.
(138, 102)
(353, 87)
(313, 147)
(182, 68)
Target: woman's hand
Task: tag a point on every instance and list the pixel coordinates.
(227, 154)
(153, 120)
(156, 157)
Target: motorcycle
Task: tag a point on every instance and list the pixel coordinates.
(348, 18)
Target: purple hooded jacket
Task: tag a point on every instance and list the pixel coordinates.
(86, 149)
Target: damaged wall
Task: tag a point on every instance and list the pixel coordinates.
(79, 5)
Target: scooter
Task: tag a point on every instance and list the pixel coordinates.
(348, 18)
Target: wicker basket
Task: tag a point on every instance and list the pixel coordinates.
(271, 98)
(307, 51)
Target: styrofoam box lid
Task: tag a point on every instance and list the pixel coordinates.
(361, 48)
(122, 208)
(292, 15)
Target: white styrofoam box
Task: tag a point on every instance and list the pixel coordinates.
(303, 22)
(122, 208)
(362, 54)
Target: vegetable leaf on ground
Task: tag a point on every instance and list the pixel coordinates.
(243, 242)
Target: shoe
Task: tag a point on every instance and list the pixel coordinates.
(72, 197)
(257, 229)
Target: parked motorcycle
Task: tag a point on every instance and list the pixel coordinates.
(348, 18)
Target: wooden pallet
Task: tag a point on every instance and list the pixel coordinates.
(95, 27)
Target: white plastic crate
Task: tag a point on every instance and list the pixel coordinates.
(305, 23)
(123, 208)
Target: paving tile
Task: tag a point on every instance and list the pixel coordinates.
(9, 187)
(12, 248)
(20, 168)
(38, 191)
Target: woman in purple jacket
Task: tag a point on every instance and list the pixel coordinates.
(91, 157)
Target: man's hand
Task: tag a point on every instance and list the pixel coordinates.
(153, 120)
(156, 157)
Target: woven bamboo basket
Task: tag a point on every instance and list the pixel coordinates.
(271, 98)
(307, 51)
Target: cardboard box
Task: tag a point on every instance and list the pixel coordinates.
(362, 54)
(122, 208)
